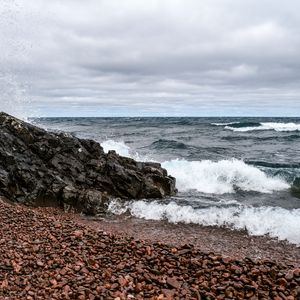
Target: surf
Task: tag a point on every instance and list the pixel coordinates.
(207, 176)
(273, 221)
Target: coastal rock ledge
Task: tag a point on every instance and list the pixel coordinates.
(41, 168)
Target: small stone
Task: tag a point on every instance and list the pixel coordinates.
(290, 275)
(40, 263)
(168, 293)
(78, 233)
(173, 282)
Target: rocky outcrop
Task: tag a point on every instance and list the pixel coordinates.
(41, 168)
(295, 188)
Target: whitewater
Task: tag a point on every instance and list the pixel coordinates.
(228, 172)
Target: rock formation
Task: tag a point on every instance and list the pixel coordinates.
(41, 168)
(295, 189)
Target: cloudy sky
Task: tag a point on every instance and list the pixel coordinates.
(150, 57)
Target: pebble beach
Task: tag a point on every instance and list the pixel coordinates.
(48, 254)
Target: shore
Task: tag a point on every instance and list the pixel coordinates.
(48, 254)
(232, 243)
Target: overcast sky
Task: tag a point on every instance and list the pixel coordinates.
(150, 57)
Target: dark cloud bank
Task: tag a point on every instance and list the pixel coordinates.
(163, 57)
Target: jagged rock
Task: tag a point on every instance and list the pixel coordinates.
(295, 189)
(41, 168)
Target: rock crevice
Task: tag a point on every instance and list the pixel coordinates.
(42, 168)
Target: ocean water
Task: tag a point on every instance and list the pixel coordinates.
(232, 172)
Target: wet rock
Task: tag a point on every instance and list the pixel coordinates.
(41, 168)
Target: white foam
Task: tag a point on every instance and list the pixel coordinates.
(275, 221)
(224, 124)
(221, 177)
(206, 176)
(120, 147)
(268, 126)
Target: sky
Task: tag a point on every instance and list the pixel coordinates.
(150, 57)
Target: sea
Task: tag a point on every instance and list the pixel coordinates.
(237, 173)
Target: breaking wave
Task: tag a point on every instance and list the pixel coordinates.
(206, 176)
(224, 176)
(281, 127)
(122, 149)
(273, 221)
(251, 126)
(238, 124)
(224, 124)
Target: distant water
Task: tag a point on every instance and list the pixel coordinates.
(232, 172)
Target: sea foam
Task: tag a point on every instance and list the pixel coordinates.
(221, 177)
(122, 149)
(273, 221)
(281, 127)
(216, 177)
(224, 176)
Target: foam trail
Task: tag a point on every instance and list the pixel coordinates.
(224, 124)
(275, 221)
(221, 177)
(280, 127)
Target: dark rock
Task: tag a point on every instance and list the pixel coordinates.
(295, 189)
(41, 168)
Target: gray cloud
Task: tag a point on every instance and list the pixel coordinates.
(153, 57)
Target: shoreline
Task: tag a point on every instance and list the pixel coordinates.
(48, 254)
(220, 240)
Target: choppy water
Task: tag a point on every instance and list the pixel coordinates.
(233, 172)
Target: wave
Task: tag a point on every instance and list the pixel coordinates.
(122, 149)
(238, 124)
(284, 138)
(251, 126)
(273, 221)
(206, 176)
(280, 127)
(224, 124)
(166, 144)
(221, 177)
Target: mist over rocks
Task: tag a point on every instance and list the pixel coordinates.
(41, 168)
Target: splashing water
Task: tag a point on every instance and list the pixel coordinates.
(224, 176)
(275, 221)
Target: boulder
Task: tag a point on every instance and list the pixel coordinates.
(42, 168)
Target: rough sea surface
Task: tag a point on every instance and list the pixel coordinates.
(232, 172)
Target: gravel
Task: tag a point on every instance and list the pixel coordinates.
(47, 254)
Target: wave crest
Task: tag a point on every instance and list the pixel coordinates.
(206, 176)
(224, 176)
(275, 221)
(280, 127)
